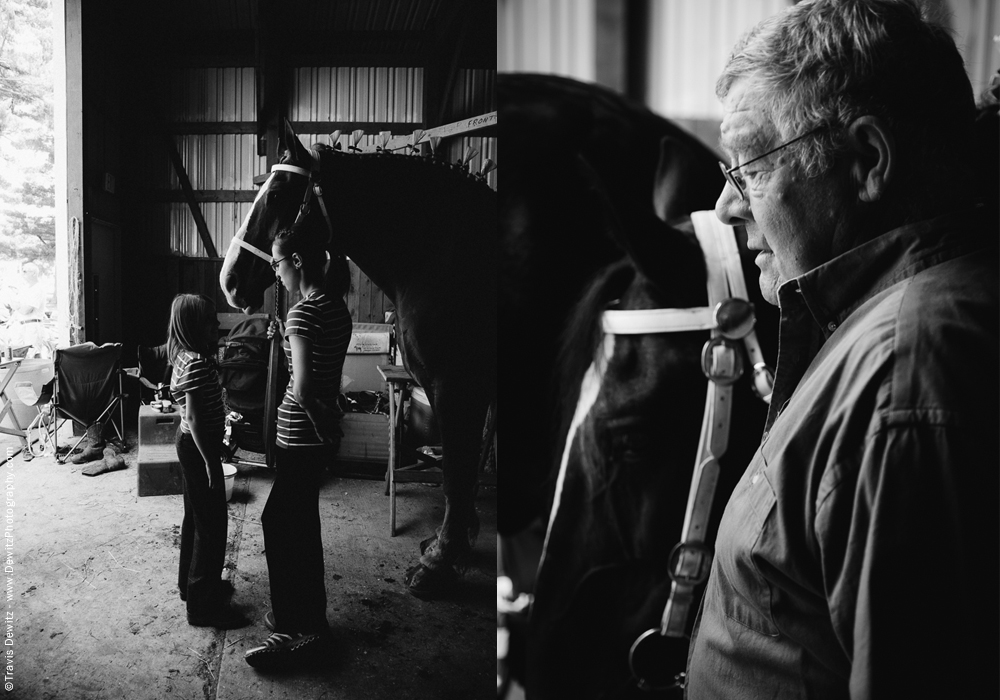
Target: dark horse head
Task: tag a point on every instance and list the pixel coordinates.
(633, 418)
(246, 274)
(633, 428)
(564, 142)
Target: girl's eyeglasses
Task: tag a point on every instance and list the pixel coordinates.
(275, 263)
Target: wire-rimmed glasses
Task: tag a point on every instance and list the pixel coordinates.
(735, 179)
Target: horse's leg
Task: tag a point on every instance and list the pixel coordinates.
(461, 414)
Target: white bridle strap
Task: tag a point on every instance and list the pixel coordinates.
(714, 438)
(734, 273)
(639, 321)
(238, 241)
(290, 169)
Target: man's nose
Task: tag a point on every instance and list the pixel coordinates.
(730, 208)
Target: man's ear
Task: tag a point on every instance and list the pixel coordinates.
(874, 151)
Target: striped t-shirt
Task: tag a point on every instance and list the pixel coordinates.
(325, 322)
(196, 373)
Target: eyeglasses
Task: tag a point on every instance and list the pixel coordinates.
(275, 263)
(736, 181)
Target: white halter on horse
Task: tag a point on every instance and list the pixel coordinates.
(729, 317)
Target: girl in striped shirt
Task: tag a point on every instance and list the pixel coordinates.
(192, 338)
(316, 337)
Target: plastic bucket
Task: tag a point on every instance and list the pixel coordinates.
(229, 472)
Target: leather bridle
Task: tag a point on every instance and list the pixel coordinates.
(729, 317)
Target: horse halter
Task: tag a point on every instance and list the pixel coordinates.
(729, 317)
(314, 189)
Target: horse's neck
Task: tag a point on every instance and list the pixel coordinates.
(396, 217)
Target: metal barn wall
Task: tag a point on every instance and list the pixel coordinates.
(374, 95)
(222, 163)
(547, 36)
(689, 42)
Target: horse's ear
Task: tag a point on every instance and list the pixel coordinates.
(295, 148)
(686, 180)
(669, 180)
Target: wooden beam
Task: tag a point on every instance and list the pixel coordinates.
(204, 195)
(481, 123)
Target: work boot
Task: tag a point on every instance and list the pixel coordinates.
(89, 454)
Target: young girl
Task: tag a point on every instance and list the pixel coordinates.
(191, 346)
(317, 333)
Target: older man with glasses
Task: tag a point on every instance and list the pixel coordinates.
(858, 556)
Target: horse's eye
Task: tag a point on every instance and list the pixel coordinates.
(629, 445)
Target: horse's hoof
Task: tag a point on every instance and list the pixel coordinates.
(428, 583)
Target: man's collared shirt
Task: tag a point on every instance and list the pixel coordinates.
(858, 555)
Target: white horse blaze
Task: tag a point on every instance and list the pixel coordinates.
(590, 389)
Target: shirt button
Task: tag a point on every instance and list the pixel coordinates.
(756, 478)
(831, 326)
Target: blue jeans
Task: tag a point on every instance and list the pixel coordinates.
(203, 530)
(293, 542)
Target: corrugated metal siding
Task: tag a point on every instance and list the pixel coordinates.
(212, 95)
(546, 36)
(217, 161)
(357, 94)
(211, 161)
(690, 41)
(392, 15)
(474, 93)
(222, 218)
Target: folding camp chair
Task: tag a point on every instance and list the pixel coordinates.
(88, 387)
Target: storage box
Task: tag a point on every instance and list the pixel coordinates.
(369, 348)
(360, 373)
(370, 338)
(366, 438)
(159, 472)
(157, 428)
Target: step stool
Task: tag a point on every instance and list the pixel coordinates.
(159, 472)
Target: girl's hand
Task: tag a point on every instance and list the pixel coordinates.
(276, 327)
(326, 423)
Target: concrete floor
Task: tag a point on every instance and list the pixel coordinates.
(93, 611)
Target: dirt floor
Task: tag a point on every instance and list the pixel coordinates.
(93, 610)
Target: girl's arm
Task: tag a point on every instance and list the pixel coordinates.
(321, 415)
(195, 410)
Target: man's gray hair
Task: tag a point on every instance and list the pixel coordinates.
(828, 62)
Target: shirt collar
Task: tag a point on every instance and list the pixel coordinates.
(835, 289)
